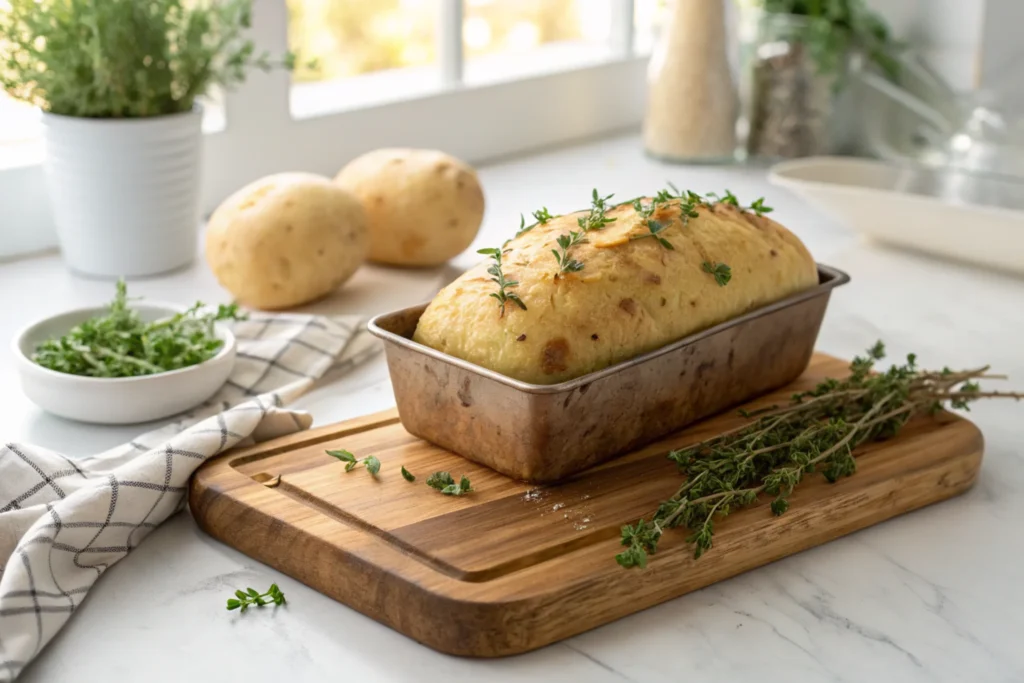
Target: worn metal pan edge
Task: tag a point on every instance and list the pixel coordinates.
(828, 278)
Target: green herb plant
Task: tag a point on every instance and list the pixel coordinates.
(407, 475)
(816, 434)
(834, 27)
(250, 597)
(498, 277)
(370, 462)
(125, 58)
(120, 344)
(445, 483)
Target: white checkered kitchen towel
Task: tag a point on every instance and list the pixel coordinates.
(64, 521)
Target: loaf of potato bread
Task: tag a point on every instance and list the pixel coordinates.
(633, 294)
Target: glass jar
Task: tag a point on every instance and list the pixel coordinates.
(791, 70)
(691, 94)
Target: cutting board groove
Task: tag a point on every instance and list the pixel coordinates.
(512, 567)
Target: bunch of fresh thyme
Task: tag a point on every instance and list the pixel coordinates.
(119, 344)
(816, 433)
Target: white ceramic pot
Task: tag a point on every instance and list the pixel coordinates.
(125, 192)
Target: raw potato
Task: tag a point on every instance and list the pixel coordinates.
(286, 239)
(423, 206)
(632, 295)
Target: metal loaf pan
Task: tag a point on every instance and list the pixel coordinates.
(543, 433)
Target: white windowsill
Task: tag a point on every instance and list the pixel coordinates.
(312, 99)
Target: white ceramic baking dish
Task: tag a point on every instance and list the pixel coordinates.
(956, 215)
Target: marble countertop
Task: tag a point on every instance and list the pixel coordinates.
(935, 595)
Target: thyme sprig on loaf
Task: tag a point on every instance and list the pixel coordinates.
(816, 433)
(582, 291)
(596, 219)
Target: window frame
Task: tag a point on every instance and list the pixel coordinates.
(262, 136)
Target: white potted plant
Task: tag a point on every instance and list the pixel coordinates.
(118, 83)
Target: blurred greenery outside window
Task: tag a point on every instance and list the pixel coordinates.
(395, 41)
(372, 51)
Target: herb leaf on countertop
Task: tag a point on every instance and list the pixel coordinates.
(407, 475)
(243, 600)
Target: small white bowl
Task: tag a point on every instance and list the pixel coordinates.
(121, 400)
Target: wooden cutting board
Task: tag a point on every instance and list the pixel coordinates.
(512, 567)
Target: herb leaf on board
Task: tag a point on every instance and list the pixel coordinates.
(445, 483)
(370, 462)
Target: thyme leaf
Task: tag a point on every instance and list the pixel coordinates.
(721, 272)
(445, 483)
(371, 463)
(655, 228)
(542, 215)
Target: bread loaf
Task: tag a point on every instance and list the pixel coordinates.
(633, 294)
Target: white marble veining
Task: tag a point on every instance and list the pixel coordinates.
(936, 595)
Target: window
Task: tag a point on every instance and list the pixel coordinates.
(20, 130)
(648, 16)
(506, 39)
(353, 54)
(460, 75)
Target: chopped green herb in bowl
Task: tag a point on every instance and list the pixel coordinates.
(120, 344)
(127, 362)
